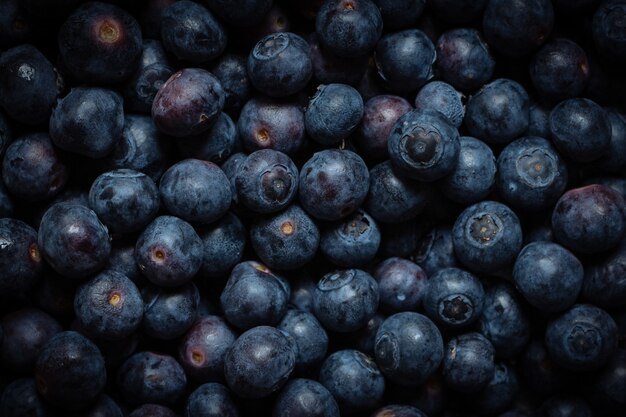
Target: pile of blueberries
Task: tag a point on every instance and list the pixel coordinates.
(313, 208)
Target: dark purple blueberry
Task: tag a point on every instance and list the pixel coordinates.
(25, 332)
(400, 14)
(108, 306)
(608, 31)
(88, 121)
(351, 242)
(280, 64)
(345, 300)
(581, 339)
(224, 242)
(408, 348)
(70, 371)
(349, 28)
(285, 240)
(468, 362)
(405, 60)
(305, 397)
(604, 285)
(28, 85)
(436, 250)
(589, 219)
(499, 394)
(100, 43)
(20, 398)
(269, 123)
(73, 240)
(189, 103)
(401, 284)
(211, 400)
(333, 184)
(267, 181)
(246, 13)
(457, 11)
(260, 362)
(254, 296)
(517, 28)
(232, 72)
(169, 312)
(148, 377)
(214, 145)
(423, 145)
(202, 349)
(33, 169)
(367, 384)
(191, 33)
(442, 97)
(379, 115)
(169, 252)
(311, 338)
(20, 258)
(124, 200)
(152, 410)
(329, 68)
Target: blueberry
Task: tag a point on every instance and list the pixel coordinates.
(603, 284)
(247, 12)
(211, 400)
(309, 335)
(498, 112)
(474, 175)
(408, 348)
(611, 160)
(329, 68)
(139, 91)
(231, 70)
(581, 339)
(260, 362)
(109, 306)
(606, 30)
(589, 219)
(463, 58)
(453, 298)
(189, 103)
(333, 184)
(269, 123)
(539, 120)
(73, 241)
(349, 28)
(351, 242)
(396, 410)
(33, 169)
(20, 257)
(267, 181)
(28, 85)
(214, 145)
(333, 113)
(70, 371)
(169, 251)
(202, 349)
(305, 397)
(196, 191)
(487, 236)
(254, 296)
(224, 242)
(436, 250)
(169, 313)
(191, 33)
(442, 97)
(152, 410)
(100, 43)
(345, 300)
(124, 200)
(20, 398)
(401, 284)
(405, 60)
(148, 377)
(280, 64)
(423, 145)
(499, 394)
(231, 168)
(354, 380)
(531, 174)
(468, 362)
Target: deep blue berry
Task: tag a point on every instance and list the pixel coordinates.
(311, 338)
(442, 97)
(224, 242)
(214, 145)
(169, 312)
(468, 362)
(401, 284)
(211, 400)
(305, 397)
(351, 242)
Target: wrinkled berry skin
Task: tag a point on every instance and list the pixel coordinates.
(124, 200)
(188, 103)
(108, 306)
(590, 219)
(70, 371)
(345, 300)
(73, 241)
(169, 313)
(423, 145)
(260, 362)
(581, 339)
(607, 32)
(333, 184)
(224, 242)
(604, 285)
(401, 284)
(196, 191)
(211, 400)
(100, 43)
(20, 257)
(349, 28)
(33, 169)
(408, 348)
(28, 85)
(88, 121)
(311, 338)
(169, 251)
(305, 397)
(148, 377)
(280, 64)
(468, 363)
(254, 296)
(352, 242)
(366, 383)
(191, 33)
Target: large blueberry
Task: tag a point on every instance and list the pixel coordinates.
(468, 363)
(401, 284)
